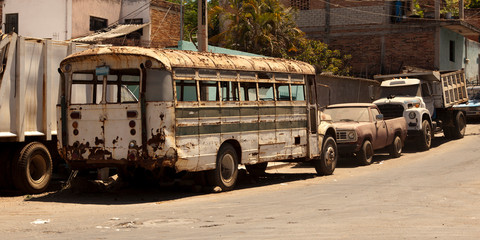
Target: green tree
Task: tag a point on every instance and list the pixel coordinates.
(190, 18)
(268, 28)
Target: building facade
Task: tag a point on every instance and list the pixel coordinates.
(70, 19)
(385, 36)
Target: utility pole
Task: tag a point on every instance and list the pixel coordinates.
(202, 32)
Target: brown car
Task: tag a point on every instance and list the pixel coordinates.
(361, 129)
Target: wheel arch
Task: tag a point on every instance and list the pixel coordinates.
(236, 145)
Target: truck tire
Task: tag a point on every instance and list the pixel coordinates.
(326, 163)
(226, 171)
(365, 155)
(257, 169)
(396, 147)
(458, 131)
(32, 168)
(424, 141)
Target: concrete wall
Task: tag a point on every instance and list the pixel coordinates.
(132, 9)
(445, 37)
(346, 89)
(41, 18)
(83, 9)
(472, 64)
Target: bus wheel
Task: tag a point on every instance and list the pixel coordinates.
(226, 171)
(257, 169)
(326, 163)
(33, 168)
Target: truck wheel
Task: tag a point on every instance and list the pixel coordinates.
(425, 138)
(365, 155)
(33, 168)
(460, 126)
(326, 163)
(226, 171)
(396, 147)
(257, 169)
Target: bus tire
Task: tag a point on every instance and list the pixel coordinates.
(425, 139)
(257, 169)
(365, 155)
(326, 163)
(396, 147)
(460, 126)
(226, 171)
(32, 168)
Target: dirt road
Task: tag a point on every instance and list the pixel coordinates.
(421, 195)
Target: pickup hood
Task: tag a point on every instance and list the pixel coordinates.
(349, 125)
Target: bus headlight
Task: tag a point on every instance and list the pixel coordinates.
(412, 115)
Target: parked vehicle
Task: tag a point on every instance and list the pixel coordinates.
(425, 100)
(361, 130)
(192, 112)
(472, 107)
(29, 84)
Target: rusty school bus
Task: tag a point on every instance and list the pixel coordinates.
(156, 109)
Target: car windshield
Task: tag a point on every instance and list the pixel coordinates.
(390, 92)
(476, 96)
(348, 114)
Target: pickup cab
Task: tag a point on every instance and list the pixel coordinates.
(361, 130)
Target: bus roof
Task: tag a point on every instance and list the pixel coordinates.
(189, 59)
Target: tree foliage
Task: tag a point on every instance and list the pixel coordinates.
(268, 28)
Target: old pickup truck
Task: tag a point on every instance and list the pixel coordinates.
(361, 130)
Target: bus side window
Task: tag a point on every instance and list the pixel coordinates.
(248, 91)
(298, 93)
(159, 85)
(283, 93)
(209, 91)
(265, 92)
(186, 90)
(229, 91)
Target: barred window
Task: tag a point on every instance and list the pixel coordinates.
(300, 4)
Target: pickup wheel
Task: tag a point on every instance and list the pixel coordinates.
(226, 171)
(396, 147)
(326, 163)
(365, 155)
(425, 138)
(458, 131)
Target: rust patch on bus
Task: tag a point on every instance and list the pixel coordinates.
(158, 139)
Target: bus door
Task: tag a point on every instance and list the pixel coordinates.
(108, 119)
(313, 137)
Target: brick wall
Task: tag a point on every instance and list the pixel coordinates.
(342, 16)
(402, 47)
(165, 24)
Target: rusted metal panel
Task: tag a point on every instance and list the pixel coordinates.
(188, 59)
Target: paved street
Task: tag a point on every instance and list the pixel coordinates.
(421, 195)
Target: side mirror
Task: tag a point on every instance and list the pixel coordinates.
(379, 117)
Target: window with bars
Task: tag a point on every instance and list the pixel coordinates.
(300, 4)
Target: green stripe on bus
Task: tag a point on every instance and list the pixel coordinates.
(239, 127)
(237, 111)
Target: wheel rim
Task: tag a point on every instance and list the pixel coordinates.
(37, 168)
(330, 155)
(227, 168)
(398, 145)
(369, 153)
(428, 135)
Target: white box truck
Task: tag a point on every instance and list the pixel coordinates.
(29, 90)
(425, 99)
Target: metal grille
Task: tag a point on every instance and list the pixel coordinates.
(341, 135)
(391, 110)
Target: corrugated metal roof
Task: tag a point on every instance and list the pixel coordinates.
(189, 59)
(118, 31)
